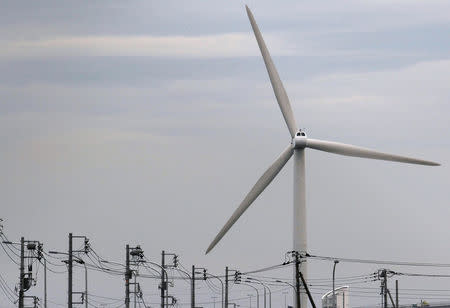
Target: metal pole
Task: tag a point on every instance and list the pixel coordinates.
(297, 281)
(127, 276)
(226, 287)
(162, 279)
(396, 293)
(69, 264)
(193, 287)
(135, 291)
(45, 283)
(86, 284)
(264, 286)
(334, 294)
(385, 288)
(264, 296)
(22, 269)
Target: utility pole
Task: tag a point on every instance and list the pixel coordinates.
(70, 268)
(226, 287)
(396, 293)
(69, 264)
(22, 274)
(135, 290)
(297, 280)
(127, 276)
(193, 287)
(164, 282)
(385, 289)
(45, 283)
(163, 287)
(25, 280)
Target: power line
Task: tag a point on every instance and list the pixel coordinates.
(381, 262)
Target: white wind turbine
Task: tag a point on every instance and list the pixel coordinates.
(297, 149)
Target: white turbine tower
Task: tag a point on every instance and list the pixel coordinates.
(296, 148)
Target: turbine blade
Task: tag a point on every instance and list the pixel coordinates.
(351, 150)
(256, 190)
(277, 85)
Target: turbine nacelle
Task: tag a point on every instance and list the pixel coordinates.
(299, 140)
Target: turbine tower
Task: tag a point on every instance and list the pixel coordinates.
(299, 142)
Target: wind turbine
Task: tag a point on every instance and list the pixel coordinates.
(299, 142)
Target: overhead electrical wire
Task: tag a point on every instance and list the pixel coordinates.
(381, 262)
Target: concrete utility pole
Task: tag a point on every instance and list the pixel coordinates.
(69, 264)
(385, 289)
(226, 287)
(163, 287)
(135, 290)
(297, 280)
(70, 268)
(22, 274)
(396, 293)
(45, 283)
(127, 276)
(193, 287)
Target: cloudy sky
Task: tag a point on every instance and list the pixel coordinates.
(147, 122)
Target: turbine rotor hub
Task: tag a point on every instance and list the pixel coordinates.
(299, 140)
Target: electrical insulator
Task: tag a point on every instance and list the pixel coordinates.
(204, 274)
(175, 260)
(237, 276)
(86, 245)
(40, 252)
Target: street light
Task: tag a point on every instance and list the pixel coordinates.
(289, 284)
(249, 279)
(250, 299)
(79, 261)
(334, 294)
(285, 295)
(257, 293)
(221, 282)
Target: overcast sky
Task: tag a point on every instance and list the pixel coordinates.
(147, 122)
